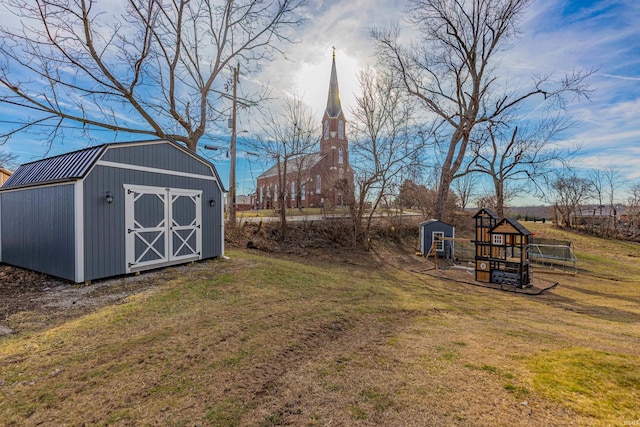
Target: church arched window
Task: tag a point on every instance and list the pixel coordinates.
(340, 156)
(318, 185)
(326, 129)
(293, 190)
(341, 129)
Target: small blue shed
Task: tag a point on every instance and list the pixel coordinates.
(112, 209)
(429, 231)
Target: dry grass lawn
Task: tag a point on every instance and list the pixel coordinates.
(259, 340)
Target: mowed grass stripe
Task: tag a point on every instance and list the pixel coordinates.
(258, 340)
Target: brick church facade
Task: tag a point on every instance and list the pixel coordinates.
(323, 179)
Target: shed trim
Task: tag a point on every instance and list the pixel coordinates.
(153, 170)
(78, 208)
(222, 227)
(180, 147)
(66, 181)
(1, 229)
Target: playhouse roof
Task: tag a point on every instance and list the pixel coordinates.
(75, 165)
(513, 223)
(487, 212)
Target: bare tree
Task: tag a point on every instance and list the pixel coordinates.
(414, 196)
(604, 185)
(289, 138)
(465, 189)
(450, 69)
(633, 203)
(8, 160)
(598, 191)
(614, 181)
(420, 197)
(152, 68)
(570, 192)
(381, 145)
(518, 156)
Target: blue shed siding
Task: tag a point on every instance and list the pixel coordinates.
(427, 229)
(105, 234)
(161, 155)
(38, 229)
(55, 219)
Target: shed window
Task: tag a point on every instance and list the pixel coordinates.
(498, 239)
(435, 236)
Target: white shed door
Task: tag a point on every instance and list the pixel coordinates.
(163, 225)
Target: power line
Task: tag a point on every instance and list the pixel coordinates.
(79, 127)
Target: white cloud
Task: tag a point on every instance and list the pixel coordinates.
(558, 36)
(330, 23)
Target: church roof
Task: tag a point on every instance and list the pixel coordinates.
(333, 100)
(295, 164)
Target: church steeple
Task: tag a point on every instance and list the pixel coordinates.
(333, 100)
(334, 142)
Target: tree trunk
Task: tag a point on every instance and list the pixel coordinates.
(282, 179)
(283, 215)
(357, 211)
(499, 197)
(192, 145)
(442, 195)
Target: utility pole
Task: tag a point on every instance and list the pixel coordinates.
(231, 200)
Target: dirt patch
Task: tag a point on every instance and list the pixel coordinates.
(33, 301)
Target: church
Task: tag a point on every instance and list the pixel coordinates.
(323, 179)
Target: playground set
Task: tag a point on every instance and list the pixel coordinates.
(503, 251)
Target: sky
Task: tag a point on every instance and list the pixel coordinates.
(557, 36)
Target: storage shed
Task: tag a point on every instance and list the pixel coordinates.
(112, 209)
(430, 231)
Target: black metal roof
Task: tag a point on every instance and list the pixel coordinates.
(75, 165)
(64, 167)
